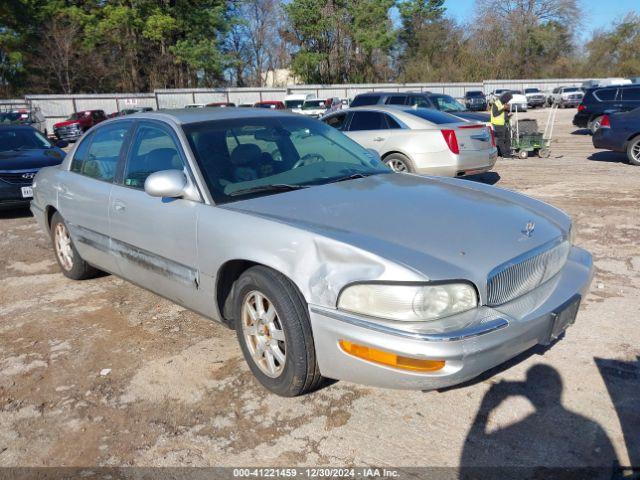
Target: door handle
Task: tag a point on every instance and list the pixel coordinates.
(119, 206)
(379, 139)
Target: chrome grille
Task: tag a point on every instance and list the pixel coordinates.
(18, 178)
(525, 273)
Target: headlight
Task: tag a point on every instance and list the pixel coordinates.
(409, 303)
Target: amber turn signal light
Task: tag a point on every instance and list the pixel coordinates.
(390, 359)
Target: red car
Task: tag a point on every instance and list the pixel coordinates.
(72, 128)
(275, 105)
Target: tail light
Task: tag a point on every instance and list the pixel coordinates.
(493, 137)
(451, 139)
(605, 122)
(581, 108)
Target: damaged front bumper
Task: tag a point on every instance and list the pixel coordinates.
(482, 339)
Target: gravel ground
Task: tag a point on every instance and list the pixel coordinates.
(104, 373)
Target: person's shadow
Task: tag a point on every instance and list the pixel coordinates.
(550, 437)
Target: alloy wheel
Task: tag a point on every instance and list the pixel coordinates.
(63, 248)
(263, 334)
(635, 151)
(398, 165)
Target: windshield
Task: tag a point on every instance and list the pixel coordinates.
(531, 90)
(516, 92)
(10, 117)
(313, 105)
(22, 139)
(572, 89)
(448, 104)
(247, 153)
(293, 103)
(475, 94)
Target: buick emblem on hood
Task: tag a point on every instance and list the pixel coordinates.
(28, 176)
(528, 229)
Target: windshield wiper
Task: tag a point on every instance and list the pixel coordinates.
(276, 187)
(351, 177)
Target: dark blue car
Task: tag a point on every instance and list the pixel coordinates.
(23, 151)
(620, 132)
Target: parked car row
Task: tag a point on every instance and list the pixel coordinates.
(601, 101)
(327, 263)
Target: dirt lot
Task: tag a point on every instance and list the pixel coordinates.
(178, 392)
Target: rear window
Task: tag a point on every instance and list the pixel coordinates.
(605, 95)
(630, 94)
(365, 100)
(433, 116)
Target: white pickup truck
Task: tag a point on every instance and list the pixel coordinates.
(566, 97)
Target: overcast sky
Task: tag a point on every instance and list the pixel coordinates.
(598, 13)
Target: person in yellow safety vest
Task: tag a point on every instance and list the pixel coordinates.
(500, 123)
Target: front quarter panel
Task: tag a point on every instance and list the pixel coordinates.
(319, 266)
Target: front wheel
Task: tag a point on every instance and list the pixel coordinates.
(633, 151)
(69, 260)
(273, 328)
(399, 163)
(523, 154)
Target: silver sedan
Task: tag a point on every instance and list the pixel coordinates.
(325, 262)
(420, 140)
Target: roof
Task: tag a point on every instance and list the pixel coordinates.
(195, 115)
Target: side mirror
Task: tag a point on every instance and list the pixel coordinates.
(166, 183)
(62, 144)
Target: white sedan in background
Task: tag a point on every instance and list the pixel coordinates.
(419, 140)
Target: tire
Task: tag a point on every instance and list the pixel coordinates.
(544, 153)
(633, 150)
(523, 154)
(399, 163)
(68, 258)
(594, 124)
(297, 373)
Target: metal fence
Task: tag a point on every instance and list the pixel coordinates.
(58, 107)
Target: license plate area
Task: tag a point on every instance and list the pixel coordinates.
(564, 316)
(27, 192)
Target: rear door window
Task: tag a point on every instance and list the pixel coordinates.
(367, 121)
(391, 122)
(606, 95)
(80, 154)
(336, 121)
(630, 94)
(419, 101)
(104, 152)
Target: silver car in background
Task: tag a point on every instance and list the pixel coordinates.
(325, 262)
(420, 140)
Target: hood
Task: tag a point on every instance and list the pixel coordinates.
(65, 123)
(473, 116)
(31, 159)
(442, 228)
